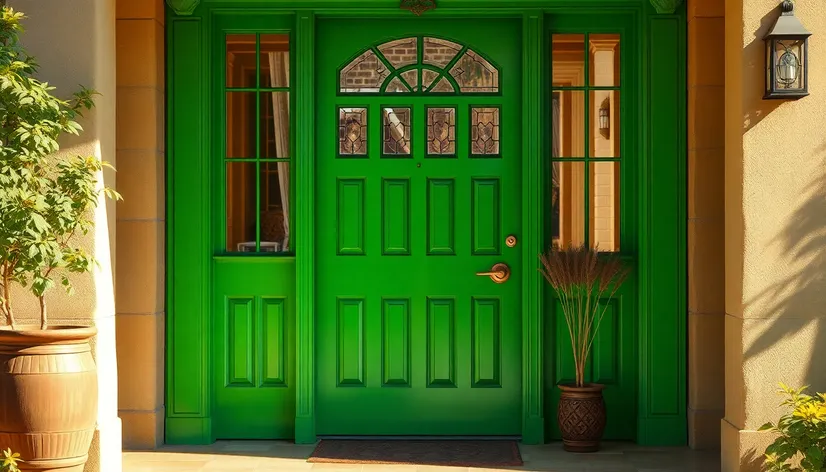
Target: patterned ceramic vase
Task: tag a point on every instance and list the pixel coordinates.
(581, 416)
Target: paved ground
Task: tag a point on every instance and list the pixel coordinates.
(272, 456)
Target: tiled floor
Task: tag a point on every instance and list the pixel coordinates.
(271, 456)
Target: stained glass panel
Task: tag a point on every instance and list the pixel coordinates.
(484, 131)
(412, 78)
(401, 52)
(441, 131)
(365, 73)
(395, 86)
(474, 74)
(428, 76)
(396, 131)
(352, 131)
(443, 85)
(439, 52)
(439, 66)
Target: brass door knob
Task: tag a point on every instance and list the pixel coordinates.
(499, 273)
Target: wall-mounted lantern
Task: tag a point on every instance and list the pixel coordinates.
(605, 118)
(787, 56)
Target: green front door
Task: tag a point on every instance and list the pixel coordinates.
(418, 154)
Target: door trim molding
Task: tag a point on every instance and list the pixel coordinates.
(533, 224)
(305, 230)
(663, 255)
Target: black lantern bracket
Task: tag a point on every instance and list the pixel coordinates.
(787, 56)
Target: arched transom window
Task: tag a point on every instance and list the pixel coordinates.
(419, 65)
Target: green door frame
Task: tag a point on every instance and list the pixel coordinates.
(661, 219)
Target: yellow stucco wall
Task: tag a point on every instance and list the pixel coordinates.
(74, 43)
(775, 231)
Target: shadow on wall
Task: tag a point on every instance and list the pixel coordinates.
(752, 461)
(754, 81)
(798, 303)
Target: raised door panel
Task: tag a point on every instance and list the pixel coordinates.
(395, 337)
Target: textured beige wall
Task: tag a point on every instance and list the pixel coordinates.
(706, 307)
(74, 44)
(140, 221)
(775, 251)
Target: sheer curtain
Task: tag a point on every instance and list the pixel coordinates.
(279, 74)
(555, 183)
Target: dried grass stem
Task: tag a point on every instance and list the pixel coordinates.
(582, 277)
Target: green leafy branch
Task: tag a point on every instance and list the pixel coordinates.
(45, 201)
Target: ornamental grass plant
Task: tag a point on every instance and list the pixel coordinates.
(585, 280)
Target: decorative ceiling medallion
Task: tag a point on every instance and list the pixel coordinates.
(418, 6)
(666, 6)
(183, 7)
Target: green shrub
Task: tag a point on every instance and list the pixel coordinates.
(802, 433)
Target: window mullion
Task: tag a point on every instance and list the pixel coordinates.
(587, 148)
(257, 143)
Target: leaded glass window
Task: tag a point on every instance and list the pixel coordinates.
(419, 65)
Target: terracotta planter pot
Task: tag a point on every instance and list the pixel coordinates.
(581, 416)
(48, 396)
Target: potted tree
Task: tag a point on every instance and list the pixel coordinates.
(48, 379)
(583, 279)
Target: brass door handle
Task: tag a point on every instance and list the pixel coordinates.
(499, 273)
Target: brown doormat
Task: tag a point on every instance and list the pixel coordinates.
(459, 453)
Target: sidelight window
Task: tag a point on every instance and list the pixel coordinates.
(585, 140)
(258, 143)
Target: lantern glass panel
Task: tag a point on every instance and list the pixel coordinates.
(789, 62)
(603, 118)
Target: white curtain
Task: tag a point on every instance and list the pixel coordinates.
(279, 73)
(555, 177)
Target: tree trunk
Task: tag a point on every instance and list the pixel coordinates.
(43, 317)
